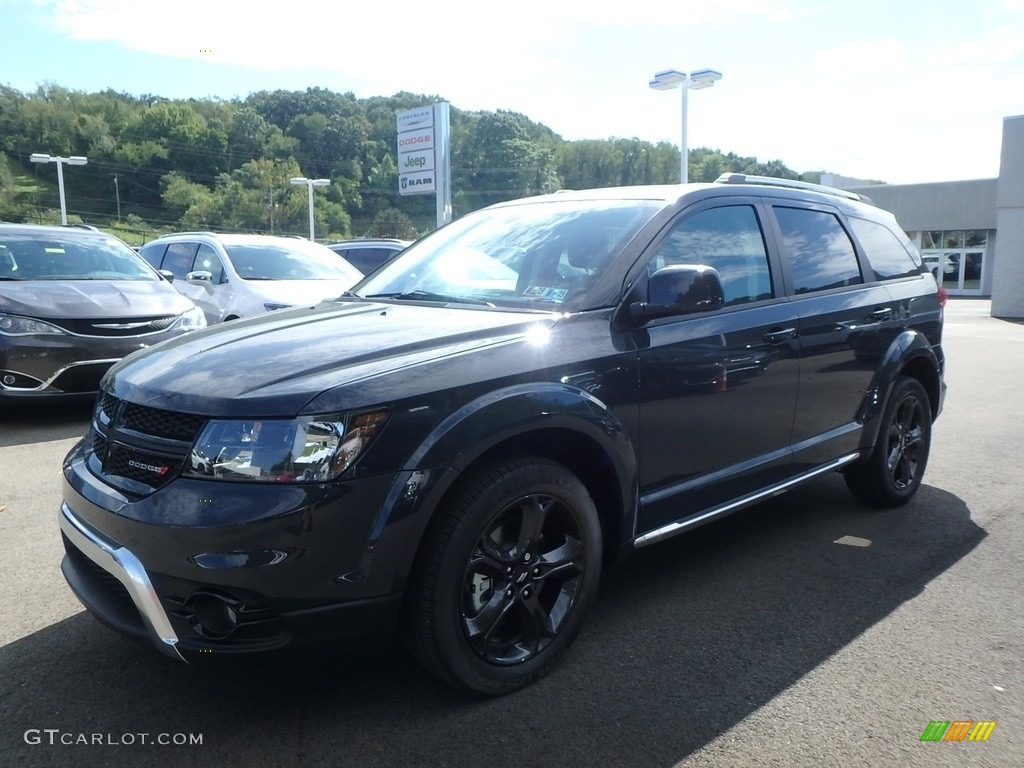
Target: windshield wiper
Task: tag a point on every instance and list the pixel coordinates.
(428, 296)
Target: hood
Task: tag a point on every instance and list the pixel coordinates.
(273, 364)
(297, 292)
(88, 299)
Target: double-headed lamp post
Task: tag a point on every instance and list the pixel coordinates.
(310, 183)
(669, 79)
(38, 157)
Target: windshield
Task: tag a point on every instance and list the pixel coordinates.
(543, 255)
(298, 260)
(52, 257)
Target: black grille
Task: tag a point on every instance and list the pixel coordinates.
(81, 378)
(137, 326)
(160, 423)
(138, 448)
(99, 445)
(146, 468)
(106, 408)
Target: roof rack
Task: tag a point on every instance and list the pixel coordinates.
(770, 181)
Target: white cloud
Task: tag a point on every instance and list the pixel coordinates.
(863, 90)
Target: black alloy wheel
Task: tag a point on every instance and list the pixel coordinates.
(893, 473)
(506, 578)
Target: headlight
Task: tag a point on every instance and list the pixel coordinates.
(270, 307)
(191, 320)
(14, 325)
(311, 449)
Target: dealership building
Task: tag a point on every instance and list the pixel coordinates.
(970, 233)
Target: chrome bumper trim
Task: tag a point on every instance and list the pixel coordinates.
(127, 569)
(56, 375)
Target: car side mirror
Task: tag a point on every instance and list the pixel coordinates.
(167, 275)
(680, 289)
(202, 276)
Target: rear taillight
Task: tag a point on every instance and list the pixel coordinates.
(943, 296)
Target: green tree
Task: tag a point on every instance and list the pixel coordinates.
(390, 222)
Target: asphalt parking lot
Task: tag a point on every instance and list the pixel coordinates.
(755, 641)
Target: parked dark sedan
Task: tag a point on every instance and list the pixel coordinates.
(455, 449)
(72, 303)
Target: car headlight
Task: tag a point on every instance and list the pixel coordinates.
(270, 306)
(15, 325)
(311, 449)
(191, 320)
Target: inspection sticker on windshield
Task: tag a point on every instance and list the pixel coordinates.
(544, 292)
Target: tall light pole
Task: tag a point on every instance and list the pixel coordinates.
(39, 157)
(310, 183)
(668, 79)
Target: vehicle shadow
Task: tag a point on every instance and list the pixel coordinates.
(35, 422)
(688, 638)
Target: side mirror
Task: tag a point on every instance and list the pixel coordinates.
(201, 276)
(167, 275)
(681, 289)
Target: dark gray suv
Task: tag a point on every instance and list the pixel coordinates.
(454, 449)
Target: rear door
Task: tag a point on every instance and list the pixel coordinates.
(846, 320)
(717, 390)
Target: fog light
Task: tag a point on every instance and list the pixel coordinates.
(8, 379)
(213, 616)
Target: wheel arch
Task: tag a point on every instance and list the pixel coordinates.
(909, 354)
(554, 421)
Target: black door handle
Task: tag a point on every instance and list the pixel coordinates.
(778, 335)
(880, 314)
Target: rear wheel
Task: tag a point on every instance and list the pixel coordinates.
(892, 474)
(506, 577)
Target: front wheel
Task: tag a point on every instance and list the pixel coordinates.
(506, 577)
(892, 474)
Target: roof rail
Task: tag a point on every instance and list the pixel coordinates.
(770, 181)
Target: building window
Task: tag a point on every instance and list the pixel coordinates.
(956, 258)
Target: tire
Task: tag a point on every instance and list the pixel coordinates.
(892, 474)
(506, 577)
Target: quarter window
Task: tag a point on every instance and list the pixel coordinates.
(820, 253)
(889, 258)
(728, 239)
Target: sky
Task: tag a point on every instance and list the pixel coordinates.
(903, 91)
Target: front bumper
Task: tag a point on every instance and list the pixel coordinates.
(267, 568)
(127, 570)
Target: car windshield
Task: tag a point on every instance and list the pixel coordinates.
(539, 255)
(301, 260)
(52, 257)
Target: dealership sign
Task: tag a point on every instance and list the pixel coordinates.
(424, 165)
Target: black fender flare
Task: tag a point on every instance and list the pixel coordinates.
(480, 426)
(910, 348)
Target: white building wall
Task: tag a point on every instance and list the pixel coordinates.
(1008, 277)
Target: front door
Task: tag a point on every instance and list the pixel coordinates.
(718, 390)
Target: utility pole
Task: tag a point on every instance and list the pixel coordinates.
(117, 192)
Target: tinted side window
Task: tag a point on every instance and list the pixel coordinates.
(367, 259)
(153, 254)
(178, 259)
(888, 257)
(207, 260)
(730, 240)
(820, 253)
